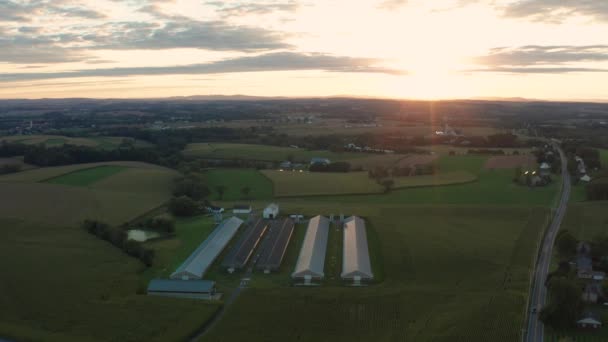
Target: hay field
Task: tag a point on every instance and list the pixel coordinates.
(446, 178)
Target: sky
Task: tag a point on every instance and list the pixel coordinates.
(412, 49)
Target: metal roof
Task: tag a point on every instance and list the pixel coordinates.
(312, 255)
(275, 244)
(181, 286)
(355, 259)
(240, 254)
(199, 261)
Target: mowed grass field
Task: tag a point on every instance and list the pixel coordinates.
(61, 284)
(448, 274)
(57, 140)
(262, 152)
(234, 180)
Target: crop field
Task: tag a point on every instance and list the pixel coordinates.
(234, 181)
(372, 160)
(87, 176)
(262, 152)
(510, 162)
(54, 269)
(115, 199)
(42, 174)
(485, 252)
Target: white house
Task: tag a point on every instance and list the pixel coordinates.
(589, 321)
(271, 211)
(585, 178)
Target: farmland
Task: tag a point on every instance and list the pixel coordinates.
(233, 182)
(91, 283)
(115, 199)
(107, 143)
(486, 259)
(87, 176)
(316, 183)
(261, 152)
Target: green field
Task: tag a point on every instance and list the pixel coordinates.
(62, 284)
(261, 152)
(87, 176)
(485, 252)
(290, 183)
(234, 181)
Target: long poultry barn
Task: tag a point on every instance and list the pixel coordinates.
(239, 255)
(199, 261)
(274, 246)
(311, 260)
(356, 265)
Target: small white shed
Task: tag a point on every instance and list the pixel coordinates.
(271, 211)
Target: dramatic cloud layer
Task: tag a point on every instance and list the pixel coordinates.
(268, 62)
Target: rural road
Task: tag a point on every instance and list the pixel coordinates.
(538, 297)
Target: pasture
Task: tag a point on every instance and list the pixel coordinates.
(234, 181)
(587, 220)
(446, 149)
(511, 162)
(293, 183)
(63, 284)
(485, 252)
(87, 176)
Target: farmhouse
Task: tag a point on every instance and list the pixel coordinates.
(545, 169)
(271, 211)
(356, 265)
(196, 289)
(312, 255)
(241, 209)
(199, 261)
(317, 160)
(589, 321)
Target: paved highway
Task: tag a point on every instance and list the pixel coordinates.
(538, 297)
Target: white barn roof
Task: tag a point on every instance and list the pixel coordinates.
(199, 261)
(355, 259)
(312, 255)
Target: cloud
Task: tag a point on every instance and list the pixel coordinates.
(253, 8)
(280, 61)
(392, 4)
(556, 11)
(536, 55)
(544, 59)
(26, 10)
(24, 49)
(209, 35)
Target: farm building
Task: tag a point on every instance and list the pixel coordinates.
(240, 254)
(271, 211)
(199, 261)
(197, 289)
(241, 209)
(545, 169)
(589, 321)
(356, 265)
(275, 245)
(312, 255)
(317, 160)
